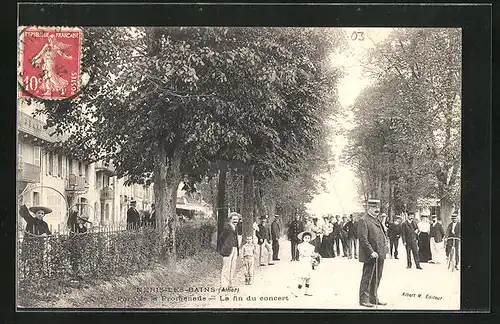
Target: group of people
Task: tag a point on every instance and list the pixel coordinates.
(37, 227)
(329, 236)
(265, 237)
(136, 220)
(370, 237)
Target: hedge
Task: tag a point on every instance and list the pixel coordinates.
(47, 264)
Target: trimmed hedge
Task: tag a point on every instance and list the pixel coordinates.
(47, 264)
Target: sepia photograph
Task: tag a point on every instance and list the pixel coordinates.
(239, 168)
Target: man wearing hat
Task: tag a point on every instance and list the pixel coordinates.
(453, 230)
(35, 224)
(372, 252)
(394, 233)
(264, 239)
(346, 228)
(294, 228)
(228, 248)
(409, 231)
(436, 234)
(133, 217)
(275, 236)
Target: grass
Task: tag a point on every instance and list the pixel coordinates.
(139, 290)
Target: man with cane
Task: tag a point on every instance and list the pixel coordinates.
(372, 252)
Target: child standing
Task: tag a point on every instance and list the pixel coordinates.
(248, 259)
(306, 256)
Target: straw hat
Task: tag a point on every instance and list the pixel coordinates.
(301, 234)
(46, 210)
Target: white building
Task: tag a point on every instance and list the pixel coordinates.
(60, 182)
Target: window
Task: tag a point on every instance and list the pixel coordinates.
(59, 165)
(55, 170)
(47, 163)
(80, 169)
(87, 173)
(20, 152)
(36, 198)
(70, 166)
(64, 167)
(36, 155)
(51, 163)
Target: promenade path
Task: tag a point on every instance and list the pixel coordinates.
(334, 285)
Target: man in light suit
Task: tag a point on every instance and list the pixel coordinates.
(372, 252)
(229, 249)
(264, 240)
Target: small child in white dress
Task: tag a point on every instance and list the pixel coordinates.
(306, 257)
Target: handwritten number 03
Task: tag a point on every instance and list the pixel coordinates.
(360, 36)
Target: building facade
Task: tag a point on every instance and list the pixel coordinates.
(60, 182)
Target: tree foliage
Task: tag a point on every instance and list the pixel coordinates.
(167, 104)
(407, 138)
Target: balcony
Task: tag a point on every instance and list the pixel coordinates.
(76, 184)
(28, 172)
(106, 168)
(32, 127)
(107, 193)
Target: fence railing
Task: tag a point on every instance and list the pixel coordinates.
(45, 263)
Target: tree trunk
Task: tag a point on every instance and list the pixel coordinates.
(446, 209)
(248, 202)
(161, 194)
(259, 204)
(221, 199)
(172, 181)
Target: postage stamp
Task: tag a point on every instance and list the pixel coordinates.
(49, 59)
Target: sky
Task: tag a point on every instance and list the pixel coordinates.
(341, 196)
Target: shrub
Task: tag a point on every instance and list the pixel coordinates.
(47, 264)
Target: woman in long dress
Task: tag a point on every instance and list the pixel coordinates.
(424, 245)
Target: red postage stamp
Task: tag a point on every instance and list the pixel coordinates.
(50, 62)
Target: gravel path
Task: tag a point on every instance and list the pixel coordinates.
(334, 285)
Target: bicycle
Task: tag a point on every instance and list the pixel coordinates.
(452, 254)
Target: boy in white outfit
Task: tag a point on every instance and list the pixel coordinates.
(249, 250)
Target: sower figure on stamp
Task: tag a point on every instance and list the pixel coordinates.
(409, 231)
(229, 249)
(295, 227)
(372, 252)
(275, 236)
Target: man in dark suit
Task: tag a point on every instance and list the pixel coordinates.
(394, 233)
(294, 228)
(229, 249)
(264, 240)
(275, 236)
(409, 232)
(133, 217)
(372, 252)
(346, 242)
(337, 233)
(453, 230)
(436, 234)
(355, 236)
